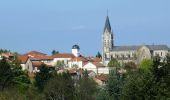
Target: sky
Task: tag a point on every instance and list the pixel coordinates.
(45, 25)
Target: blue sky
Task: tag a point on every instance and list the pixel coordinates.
(44, 25)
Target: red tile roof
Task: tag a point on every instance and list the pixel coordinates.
(63, 55)
(8, 54)
(38, 55)
(94, 59)
(42, 57)
(33, 53)
(98, 64)
(23, 58)
(36, 64)
(80, 59)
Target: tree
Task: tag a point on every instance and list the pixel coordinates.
(20, 77)
(6, 75)
(42, 77)
(130, 66)
(54, 52)
(146, 64)
(60, 65)
(98, 55)
(115, 84)
(74, 66)
(113, 63)
(149, 82)
(86, 88)
(60, 87)
(136, 86)
(4, 51)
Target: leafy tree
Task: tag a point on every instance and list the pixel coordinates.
(74, 66)
(85, 74)
(98, 55)
(4, 51)
(11, 74)
(20, 77)
(146, 64)
(11, 94)
(150, 84)
(6, 75)
(42, 77)
(115, 84)
(60, 87)
(113, 63)
(130, 66)
(136, 86)
(86, 88)
(102, 94)
(54, 52)
(60, 65)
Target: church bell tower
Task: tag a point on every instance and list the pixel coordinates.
(107, 41)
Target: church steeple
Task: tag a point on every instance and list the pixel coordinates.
(107, 25)
(107, 41)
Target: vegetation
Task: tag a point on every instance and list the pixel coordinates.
(4, 51)
(98, 55)
(60, 87)
(54, 52)
(42, 77)
(149, 81)
(146, 64)
(86, 88)
(113, 63)
(59, 65)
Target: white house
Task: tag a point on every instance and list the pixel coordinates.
(97, 67)
(77, 61)
(65, 57)
(26, 63)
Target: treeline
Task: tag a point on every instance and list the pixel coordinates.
(4, 51)
(47, 84)
(148, 82)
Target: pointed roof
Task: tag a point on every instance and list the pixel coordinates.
(107, 25)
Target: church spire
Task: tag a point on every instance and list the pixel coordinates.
(107, 25)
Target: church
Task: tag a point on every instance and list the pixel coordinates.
(132, 53)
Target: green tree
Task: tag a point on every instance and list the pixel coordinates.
(136, 86)
(74, 66)
(98, 55)
(86, 88)
(150, 84)
(54, 52)
(146, 64)
(115, 84)
(113, 63)
(130, 66)
(60, 87)
(4, 51)
(42, 77)
(6, 75)
(60, 65)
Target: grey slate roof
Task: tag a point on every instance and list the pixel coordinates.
(125, 48)
(133, 48)
(107, 25)
(158, 47)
